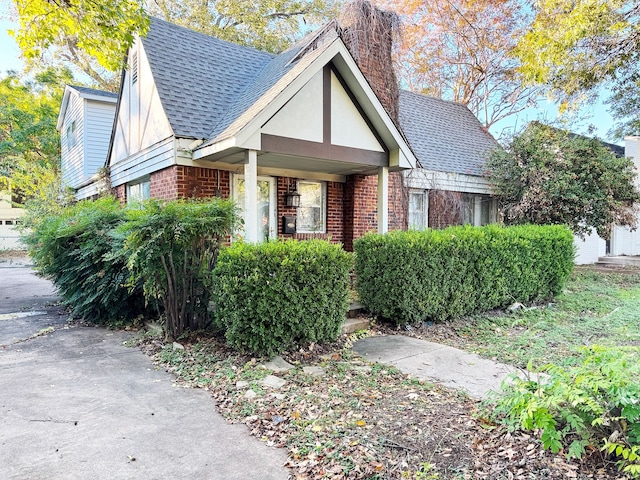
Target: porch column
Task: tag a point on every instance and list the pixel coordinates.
(251, 196)
(383, 199)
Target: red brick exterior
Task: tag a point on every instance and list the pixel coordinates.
(189, 182)
(334, 211)
(120, 193)
(351, 207)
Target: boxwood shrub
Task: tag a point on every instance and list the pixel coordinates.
(412, 276)
(272, 296)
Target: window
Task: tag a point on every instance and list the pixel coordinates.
(139, 190)
(418, 216)
(312, 211)
(71, 135)
(478, 210)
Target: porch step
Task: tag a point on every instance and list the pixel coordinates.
(354, 309)
(352, 325)
(618, 261)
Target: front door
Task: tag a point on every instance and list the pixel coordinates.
(266, 205)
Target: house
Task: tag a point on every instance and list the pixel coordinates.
(85, 118)
(623, 240)
(9, 218)
(306, 141)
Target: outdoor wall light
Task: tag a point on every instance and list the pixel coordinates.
(292, 198)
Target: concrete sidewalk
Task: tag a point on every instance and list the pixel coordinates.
(435, 362)
(77, 404)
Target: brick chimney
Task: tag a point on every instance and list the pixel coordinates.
(368, 33)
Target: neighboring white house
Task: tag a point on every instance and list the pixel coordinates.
(9, 218)
(623, 240)
(85, 122)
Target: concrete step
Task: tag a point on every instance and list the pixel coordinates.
(352, 325)
(618, 261)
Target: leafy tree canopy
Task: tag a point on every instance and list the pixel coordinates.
(101, 29)
(575, 46)
(29, 141)
(549, 176)
(270, 25)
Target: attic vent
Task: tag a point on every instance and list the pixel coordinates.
(134, 68)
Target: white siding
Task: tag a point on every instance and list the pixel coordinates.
(142, 122)
(590, 249)
(421, 178)
(152, 159)
(72, 159)
(99, 123)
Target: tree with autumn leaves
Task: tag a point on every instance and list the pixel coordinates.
(462, 51)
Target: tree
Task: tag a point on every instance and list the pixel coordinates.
(575, 46)
(80, 31)
(29, 141)
(461, 51)
(270, 25)
(92, 36)
(549, 176)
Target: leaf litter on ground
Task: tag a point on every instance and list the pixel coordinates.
(360, 420)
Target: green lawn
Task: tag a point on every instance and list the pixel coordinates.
(596, 307)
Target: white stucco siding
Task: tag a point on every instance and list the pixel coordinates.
(348, 127)
(301, 117)
(72, 150)
(99, 123)
(145, 162)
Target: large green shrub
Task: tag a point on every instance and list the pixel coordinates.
(77, 251)
(275, 295)
(594, 405)
(438, 274)
(172, 248)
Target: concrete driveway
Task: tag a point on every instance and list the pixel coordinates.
(77, 404)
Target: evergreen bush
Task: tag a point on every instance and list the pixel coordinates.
(77, 250)
(172, 248)
(409, 277)
(275, 295)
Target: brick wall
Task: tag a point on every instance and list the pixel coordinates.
(361, 206)
(120, 193)
(335, 192)
(189, 182)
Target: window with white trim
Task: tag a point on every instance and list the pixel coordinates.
(71, 135)
(478, 210)
(418, 209)
(139, 190)
(312, 212)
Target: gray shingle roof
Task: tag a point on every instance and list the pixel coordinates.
(93, 91)
(444, 136)
(198, 77)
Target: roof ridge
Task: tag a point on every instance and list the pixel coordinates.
(431, 97)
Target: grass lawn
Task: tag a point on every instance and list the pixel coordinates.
(597, 306)
(359, 420)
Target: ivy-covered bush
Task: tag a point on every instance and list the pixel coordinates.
(412, 276)
(592, 406)
(172, 248)
(272, 296)
(76, 249)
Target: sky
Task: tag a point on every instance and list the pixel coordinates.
(595, 115)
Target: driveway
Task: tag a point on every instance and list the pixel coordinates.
(75, 403)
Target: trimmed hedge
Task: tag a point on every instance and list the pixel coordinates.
(275, 295)
(412, 276)
(79, 253)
